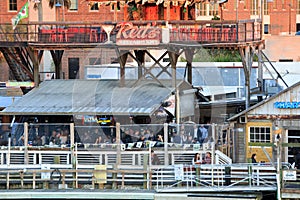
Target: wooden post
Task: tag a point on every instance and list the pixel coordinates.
(73, 155)
(115, 176)
(33, 179)
(118, 142)
(145, 167)
(7, 181)
(166, 136)
(26, 143)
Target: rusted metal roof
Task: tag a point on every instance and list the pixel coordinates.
(98, 97)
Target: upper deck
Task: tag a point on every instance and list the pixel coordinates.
(132, 35)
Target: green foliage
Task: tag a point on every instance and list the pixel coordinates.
(218, 55)
(215, 18)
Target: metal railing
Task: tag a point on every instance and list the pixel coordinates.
(172, 178)
(211, 31)
(215, 177)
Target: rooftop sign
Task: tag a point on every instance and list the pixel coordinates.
(129, 34)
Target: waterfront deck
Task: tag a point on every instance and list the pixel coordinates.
(103, 168)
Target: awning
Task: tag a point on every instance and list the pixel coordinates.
(92, 97)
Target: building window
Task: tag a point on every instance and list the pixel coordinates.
(254, 7)
(260, 134)
(207, 9)
(201, 11)
(95, 61)
(266, 8)
(112, 6)
(74, 5)
(213, 9)
(245, 2)
(283, 4)
(266, 29)
(275, 4)
(13, 6)
(94, 6)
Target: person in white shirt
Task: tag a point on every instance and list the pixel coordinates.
(196, 159)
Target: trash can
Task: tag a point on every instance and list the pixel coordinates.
(227, 175)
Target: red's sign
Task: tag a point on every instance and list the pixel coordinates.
(129, 34)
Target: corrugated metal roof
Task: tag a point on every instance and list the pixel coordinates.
(6, 101)
(99, 97)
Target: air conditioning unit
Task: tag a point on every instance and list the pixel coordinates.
(243, 119)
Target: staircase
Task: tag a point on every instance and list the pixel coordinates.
(19, 64)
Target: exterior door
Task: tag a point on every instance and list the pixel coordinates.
(73, 68)
(294, 138)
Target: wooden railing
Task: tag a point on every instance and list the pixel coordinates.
(212, 31)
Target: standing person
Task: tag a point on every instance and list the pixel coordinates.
(204, 133)
(154, 158)
(297, 160)
(253, 158)
(196, 159)
(196, 133)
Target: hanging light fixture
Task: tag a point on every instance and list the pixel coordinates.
(58, 4)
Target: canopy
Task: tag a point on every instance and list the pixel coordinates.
(92, 97)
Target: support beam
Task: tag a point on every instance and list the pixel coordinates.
(260, 69)
(189, 54)
(173, 55)
(247, 54)
(140, 58)
(57, 58)
(122, 58)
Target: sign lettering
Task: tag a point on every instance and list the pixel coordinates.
(285, 105)
(129, 34)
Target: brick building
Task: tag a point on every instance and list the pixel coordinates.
(281, 19)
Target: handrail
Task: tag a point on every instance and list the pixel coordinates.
(211, 31)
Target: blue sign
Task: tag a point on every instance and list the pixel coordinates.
(287, 104)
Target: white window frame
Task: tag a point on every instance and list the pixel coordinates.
(261, 134)
(11, 3)
(74, 5)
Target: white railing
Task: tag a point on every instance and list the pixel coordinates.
(215, 178)
(221, 158)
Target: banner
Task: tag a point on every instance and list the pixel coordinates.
(23, 13)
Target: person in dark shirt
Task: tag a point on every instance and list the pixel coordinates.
(253, 158)
(297, 160)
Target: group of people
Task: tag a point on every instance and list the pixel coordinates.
(205, 160)
(55, 137)
(191, 134)
(187, 134)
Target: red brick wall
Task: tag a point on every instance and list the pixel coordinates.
(84, 55)
(6, 16)
(282, 47)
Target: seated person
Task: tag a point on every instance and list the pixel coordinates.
(196, 159)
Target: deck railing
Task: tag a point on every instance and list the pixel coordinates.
(205, 32)
(172, 178)
(205, 177)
